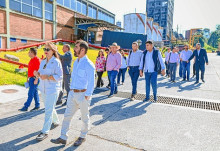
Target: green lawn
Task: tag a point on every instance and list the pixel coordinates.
(7, 71)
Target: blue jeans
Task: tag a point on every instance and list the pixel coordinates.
(112, 76)
(50, 111)
(134, 74)
(181, 69)
(151, 78)
(32, 93)
(173, 71)
(121, 72)
(186, 68)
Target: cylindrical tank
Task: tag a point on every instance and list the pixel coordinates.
(135, 23)
(149, 28)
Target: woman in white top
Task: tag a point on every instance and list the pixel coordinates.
(123, 68)
(51, 75)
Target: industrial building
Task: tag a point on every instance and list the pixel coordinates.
(25, 22)
(162, 13)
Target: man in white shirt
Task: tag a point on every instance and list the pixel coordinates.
(81, 89)
(184, 57)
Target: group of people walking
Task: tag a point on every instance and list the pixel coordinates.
(53, 74)
(174, 58)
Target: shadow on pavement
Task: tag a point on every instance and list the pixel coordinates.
(17, 145)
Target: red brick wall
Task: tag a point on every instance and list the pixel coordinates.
(18, 43)
(64, 33)
(48, 31)
(3, 22)
(25, 27)
(65, 16)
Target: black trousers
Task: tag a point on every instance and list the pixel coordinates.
(194, 69)
(100, 81)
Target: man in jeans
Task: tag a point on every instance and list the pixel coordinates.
(113, 65)
(134, 59)
(33, 65)
(184, 57)
(66, 61)
(150, 66)
(81, 89)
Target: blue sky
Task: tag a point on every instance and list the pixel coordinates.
(187, 13)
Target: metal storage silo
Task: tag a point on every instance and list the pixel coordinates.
(135, 23)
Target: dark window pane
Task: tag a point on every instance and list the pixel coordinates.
(23, 41)
(15, 5)
(48, 16)
(37, 12)
(60, 2)
(13, 39)
(67, 3)
(37, 3)
(79, 6)
(84, 8)
(2, 3)
(73, 4)
(27, 2)
(26, 9)
(48, 7)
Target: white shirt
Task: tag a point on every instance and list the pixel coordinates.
(83, 75)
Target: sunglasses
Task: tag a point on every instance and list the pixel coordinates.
(47, 49)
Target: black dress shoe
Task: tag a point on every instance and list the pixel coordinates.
(58, 141)
(35, 109)
(41, 136)
(110, 96)
(23, 109)
(146, 100)
(79, 141)
(203, 81)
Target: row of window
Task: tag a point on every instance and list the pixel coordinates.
(81, 7)
(31, 7)
(14, 40)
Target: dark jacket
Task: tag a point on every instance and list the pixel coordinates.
(66, 61)
(201, 59)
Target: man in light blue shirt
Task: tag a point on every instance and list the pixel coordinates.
(134, 59)
(81, 89)
(184, 57)
(150, 62)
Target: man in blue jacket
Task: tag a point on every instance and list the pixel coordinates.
(200, 60)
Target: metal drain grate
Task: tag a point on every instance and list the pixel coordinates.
(167, 100)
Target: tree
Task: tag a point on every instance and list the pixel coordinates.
(214, 39)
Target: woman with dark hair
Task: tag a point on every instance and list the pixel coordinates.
(123, 68)
(51, 75)
(100, 65)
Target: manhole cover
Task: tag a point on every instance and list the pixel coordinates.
(9, 91)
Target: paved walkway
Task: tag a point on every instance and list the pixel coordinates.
(120, 125)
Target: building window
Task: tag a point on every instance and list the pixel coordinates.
(84, 8)
(73, 4)
(23, 41)
(60, 2)
(90, 11)
(12, 39)
(2, 4)
(94, 13)
(67, 3)
(79, 6)
(31, 7)
(48, 11)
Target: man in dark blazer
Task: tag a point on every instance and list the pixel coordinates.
(200, 60)
(66, 61)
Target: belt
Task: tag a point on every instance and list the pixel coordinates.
(78, 91)
(133, 66)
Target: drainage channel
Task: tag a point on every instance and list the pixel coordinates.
(168, 100)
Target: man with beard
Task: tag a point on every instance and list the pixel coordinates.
(81, 89)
